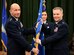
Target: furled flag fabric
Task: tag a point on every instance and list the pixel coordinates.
(39, 34)
(4, 18)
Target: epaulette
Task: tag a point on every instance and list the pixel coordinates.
(10, 19)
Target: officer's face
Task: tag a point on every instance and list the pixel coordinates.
(57, 15)
(44, 16)
(15, 11)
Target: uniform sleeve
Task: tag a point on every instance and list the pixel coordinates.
(15, 34)
(61, 33)
(30, 31)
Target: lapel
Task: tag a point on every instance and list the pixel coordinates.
(16, 22)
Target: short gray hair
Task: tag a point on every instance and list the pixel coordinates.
(58, 8)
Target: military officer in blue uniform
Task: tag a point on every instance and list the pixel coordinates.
(16, 34)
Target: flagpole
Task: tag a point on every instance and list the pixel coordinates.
(39, 26)
(37, 36)
(3, 45)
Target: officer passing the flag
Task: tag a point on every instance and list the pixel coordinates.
(17, 44)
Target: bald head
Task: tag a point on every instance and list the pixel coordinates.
(15, 10)
(14, 5)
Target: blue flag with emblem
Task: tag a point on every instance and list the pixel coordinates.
(4, 18)
(39, 34)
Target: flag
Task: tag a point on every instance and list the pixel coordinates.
(4, 18)
(39, 34)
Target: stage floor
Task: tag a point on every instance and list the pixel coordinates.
(4, 53)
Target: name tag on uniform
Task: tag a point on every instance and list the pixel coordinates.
(56, 29)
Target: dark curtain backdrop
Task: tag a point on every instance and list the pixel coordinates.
(30, 8)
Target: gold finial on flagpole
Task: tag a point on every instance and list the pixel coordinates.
(44, 3)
